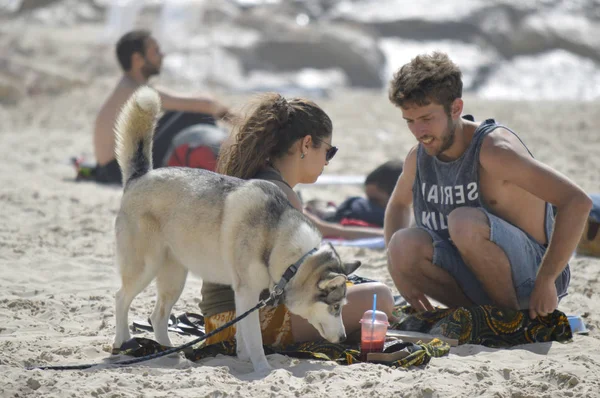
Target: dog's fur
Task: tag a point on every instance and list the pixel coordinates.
(226, 230)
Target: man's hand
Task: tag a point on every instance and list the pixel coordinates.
(221, 112)
(544, 298)
(414, 297)
(173, 102)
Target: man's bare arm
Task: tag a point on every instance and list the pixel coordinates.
(172, 102)
(398, 210)
(505, 158)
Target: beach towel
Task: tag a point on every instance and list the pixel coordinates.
(368, 243)
(482, 325)
(485, 325)
(418, 354)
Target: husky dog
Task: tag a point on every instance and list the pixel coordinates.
(242, 233)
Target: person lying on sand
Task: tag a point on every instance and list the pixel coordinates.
(287, 142)
(485, 228)
(362, 211)
(140, 58)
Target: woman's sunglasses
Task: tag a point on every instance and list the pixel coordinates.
(330, 152)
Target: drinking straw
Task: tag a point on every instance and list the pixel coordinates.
(374, 307)
(373, 320)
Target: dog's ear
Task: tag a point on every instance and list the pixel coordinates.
(331, 283)
(351, 267)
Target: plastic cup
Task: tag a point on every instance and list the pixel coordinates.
(372, 332)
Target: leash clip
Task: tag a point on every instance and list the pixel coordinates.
(278, 289)
(276, 293)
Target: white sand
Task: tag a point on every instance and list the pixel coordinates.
(58, 280)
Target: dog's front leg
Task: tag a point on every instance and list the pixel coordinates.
(248, 333)
(242, 352)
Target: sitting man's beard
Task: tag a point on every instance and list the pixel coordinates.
(448, 139)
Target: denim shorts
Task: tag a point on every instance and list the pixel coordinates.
(524, 254)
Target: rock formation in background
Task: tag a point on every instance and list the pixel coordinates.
(517, 49)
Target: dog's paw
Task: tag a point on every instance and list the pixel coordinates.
(117, 347)
(263, 369)
(243, 355)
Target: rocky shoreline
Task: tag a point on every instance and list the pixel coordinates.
(508, 49)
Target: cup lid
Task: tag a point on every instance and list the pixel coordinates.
(380, 317)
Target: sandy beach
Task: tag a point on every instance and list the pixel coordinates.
(57, 270)
(58, 279)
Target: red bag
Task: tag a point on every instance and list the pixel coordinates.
(189, 155)
(196, 147)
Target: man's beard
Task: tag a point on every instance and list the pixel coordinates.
(149, 70)
(448, 138)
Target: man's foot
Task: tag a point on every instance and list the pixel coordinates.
(85, 171)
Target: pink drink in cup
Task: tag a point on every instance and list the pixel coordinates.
(372, 333)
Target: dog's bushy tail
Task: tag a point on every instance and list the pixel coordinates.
(134, 132)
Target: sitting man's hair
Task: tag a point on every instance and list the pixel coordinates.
(129, 44)
(427, 78)
(385, 176)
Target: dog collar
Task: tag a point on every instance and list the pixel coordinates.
(287, 276)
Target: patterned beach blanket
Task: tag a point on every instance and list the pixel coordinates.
(483, 325)
(416, 354)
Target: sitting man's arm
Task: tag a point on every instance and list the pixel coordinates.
(397, 217)
(172, 102)
(504, 157)
(398, 210)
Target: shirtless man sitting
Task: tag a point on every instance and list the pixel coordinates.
(485, 228)
(140, 58)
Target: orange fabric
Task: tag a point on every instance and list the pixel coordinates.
(275, 323)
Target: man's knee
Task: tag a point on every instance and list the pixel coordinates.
(407, 247)
(466, 225)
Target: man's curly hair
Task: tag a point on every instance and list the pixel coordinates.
(427, 78)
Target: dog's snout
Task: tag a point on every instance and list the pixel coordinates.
(342, 338)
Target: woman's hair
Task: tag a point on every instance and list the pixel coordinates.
(269, 130)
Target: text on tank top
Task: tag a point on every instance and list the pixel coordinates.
(440, 187)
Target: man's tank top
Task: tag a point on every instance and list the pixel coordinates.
(441, 187)
(218, 298)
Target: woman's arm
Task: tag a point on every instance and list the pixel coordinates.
(329, 229)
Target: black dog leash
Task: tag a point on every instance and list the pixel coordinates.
(273, 298)
(277, 293)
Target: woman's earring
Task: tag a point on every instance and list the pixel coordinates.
(302, 155)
